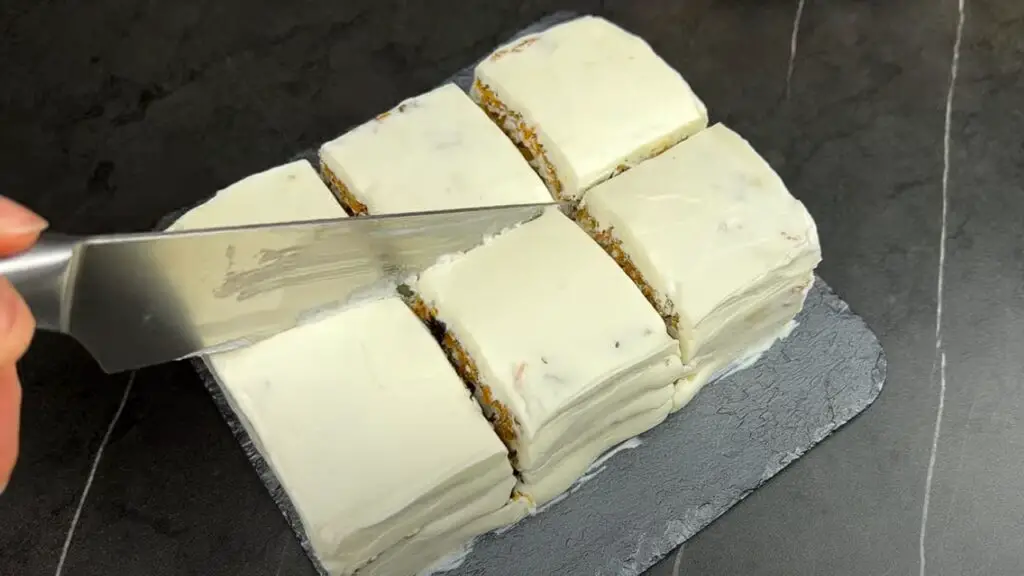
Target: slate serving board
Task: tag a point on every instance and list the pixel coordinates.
(641, 503)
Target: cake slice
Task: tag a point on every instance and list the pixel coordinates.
(433, 152)
(291, 192)
(574, 359)
(715, 241)
(586, 100)
(379, 445)
(565, 355)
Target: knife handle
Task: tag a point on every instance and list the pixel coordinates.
(41, 276)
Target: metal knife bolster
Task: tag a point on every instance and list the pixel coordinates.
(42, 276)
(139, 299)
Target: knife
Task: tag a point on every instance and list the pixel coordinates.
(134, 300)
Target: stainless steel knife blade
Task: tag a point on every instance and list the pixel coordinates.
(135, 300)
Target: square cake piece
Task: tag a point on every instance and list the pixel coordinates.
(291, 192)
(381, 448)
(564, 353)
(586, 100)
(713, 238)
(436, 151)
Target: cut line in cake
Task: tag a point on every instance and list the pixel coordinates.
(600, 339)
(385, 456)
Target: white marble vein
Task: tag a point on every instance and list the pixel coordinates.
(678, 561)
(792, 45)
(92, 475)
(940, 353)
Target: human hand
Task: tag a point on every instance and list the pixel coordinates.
(19, 230)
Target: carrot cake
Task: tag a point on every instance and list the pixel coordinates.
(586, 100)
(715, 241)
(381, 448)
(432, 152)
(565, 355)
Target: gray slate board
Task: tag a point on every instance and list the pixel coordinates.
(703, 460)
(735, 435)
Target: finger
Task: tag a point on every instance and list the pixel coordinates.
(16, 324)
(16, 328)
(10, 421)
(19, 227)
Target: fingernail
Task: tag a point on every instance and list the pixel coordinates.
(16, 219)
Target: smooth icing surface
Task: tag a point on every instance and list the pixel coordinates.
(368, 448)
(432, 152)
(596, 99)
(291, 192)
(727, 251)
(570, 463)
(365, 423)
(560, 337)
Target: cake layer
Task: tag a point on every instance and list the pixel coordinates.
(571, 461)
(432, 152)
(711, 236)
(605, 402)
(554, 337)
(586, 100)
(724, 365)
(446, 535)
(360, 415)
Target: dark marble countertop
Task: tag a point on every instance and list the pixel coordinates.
(113, 114)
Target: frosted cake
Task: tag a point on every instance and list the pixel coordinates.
(379, 445)
(715, 241)
(432, 152)
(586, 100)
(562, 350)
(565, 355)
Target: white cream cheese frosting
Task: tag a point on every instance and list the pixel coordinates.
(370, 431)
(722, 248)
(369, 449)
(433, 152)
(563, 344)
(586, 100)
(291, 192)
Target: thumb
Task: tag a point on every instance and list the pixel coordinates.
(16, 327)
(19, 227)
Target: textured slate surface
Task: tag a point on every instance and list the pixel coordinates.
(735, 435)
(645, 501)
